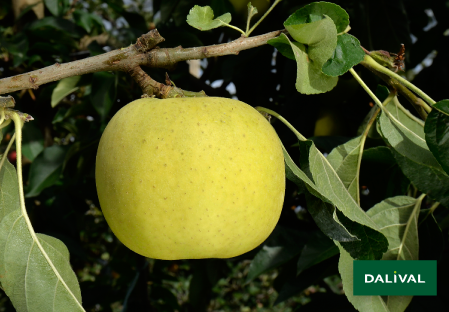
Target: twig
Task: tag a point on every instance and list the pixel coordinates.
(416, 101)
(152, 87)
(128, 58)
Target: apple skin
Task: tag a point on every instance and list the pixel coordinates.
(190, 178)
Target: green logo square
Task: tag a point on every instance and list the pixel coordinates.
(395, 278)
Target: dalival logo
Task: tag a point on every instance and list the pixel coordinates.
(397, 278)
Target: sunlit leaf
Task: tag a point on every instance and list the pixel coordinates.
(361, 303)
(315, 11)
(9, 190)
(397, 218)
(35, 271)
(202, 18)
(406, 137)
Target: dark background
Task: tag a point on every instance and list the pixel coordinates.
(62, 142)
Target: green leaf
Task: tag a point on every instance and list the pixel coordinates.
(281, 247)
(104, 90)
(87, 20)
(35, 271)
(64, 88)
(325, 217)
(57, 7)
(406, 137)
(321, 209)
(48, 25)
(397, 218)
(283, 45)
(345, 160)
(320, 36)
(315, 11)
(437, 133)
(251, 11)
(33, 141)
(318, 248)
(9, 190)
(361, 303)
(347, 54)
(373, 244)
(45, 169)
(202, 18)
(309, 78)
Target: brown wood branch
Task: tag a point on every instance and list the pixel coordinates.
(165, 58)
(117, 60)
(151, 87)
(125, 59)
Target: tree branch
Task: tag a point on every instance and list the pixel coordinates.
(127, 59)
(416, 101)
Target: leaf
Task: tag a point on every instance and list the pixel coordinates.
(397, 218)
(33, 141)
(87, 20)
(347, 54)
(103, 92)
(373, 243)
(64, 88)
(320, 36)
(361, 303)
(9, 191)
(315, 12)
(325, 217)
(281, 247)
(57, 7)
(251, 11)
(50, 24)
(202, 18)
(283, 45)
(317, 249)
(35, 271)
(437, 133)
(406, 137)
(345, 160)
(45, 169)
(309, 78)
(321, 209)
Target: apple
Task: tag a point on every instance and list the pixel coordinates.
(190, 178)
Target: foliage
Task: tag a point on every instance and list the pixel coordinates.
(364, 191)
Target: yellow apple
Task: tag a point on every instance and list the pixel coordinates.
(190, 178)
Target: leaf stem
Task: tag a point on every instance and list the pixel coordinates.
(18, 128)
(289, 125)
(434, 206)
(262, 18)
(407, 112)
(233, 27)
(373, 64)
(5, 154)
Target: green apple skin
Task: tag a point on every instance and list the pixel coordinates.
(190, 178)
